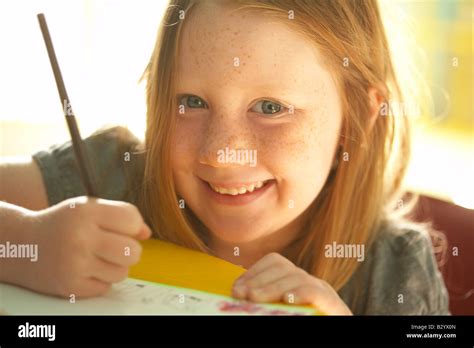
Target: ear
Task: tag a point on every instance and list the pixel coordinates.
(375, 102)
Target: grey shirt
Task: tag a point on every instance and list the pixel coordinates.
(399, 274)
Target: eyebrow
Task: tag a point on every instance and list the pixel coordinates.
(271, 87)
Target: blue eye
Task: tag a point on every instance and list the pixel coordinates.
(192, 101)
(267, 107)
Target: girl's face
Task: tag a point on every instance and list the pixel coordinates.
(256, 106)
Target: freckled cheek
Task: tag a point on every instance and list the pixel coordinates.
(183, 151)
(302, 178)
(312, 167)
(185, 143)
(297, 157)
(304, 182)
(182, 165)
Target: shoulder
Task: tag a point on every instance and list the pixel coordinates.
(401, 273)
(118, 135)
(111, 152)
(402, 239)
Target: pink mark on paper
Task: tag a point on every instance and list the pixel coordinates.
(251, 308)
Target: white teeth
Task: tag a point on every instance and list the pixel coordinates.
(238, 190)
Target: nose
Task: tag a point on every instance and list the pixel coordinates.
(228, 142)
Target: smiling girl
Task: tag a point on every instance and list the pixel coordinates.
(300, 85)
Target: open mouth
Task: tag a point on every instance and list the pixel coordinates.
(239, 190)
(237, 194)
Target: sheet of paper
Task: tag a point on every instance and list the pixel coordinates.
(133, 296)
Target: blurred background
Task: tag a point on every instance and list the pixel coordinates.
(103, 47)
(433, 53)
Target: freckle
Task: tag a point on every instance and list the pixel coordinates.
(236, 32)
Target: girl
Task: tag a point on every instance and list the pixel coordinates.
(305, 197)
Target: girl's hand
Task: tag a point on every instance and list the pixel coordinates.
(274, 278)
(84, 246)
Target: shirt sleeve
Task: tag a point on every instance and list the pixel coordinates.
(400, 277)
(110, 152)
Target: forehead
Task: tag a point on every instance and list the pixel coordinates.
(219, 43)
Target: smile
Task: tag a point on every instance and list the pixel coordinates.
(237, 193)
(238, 190)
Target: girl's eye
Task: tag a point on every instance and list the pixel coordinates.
(192, 101)
(267, 107)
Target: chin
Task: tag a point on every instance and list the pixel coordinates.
(236, 234)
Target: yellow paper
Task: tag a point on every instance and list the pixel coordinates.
(168, 263)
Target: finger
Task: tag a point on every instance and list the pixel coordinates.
(276, 290)
(268, 275)
(108, 272)
(117, 249)
(144, 233)
(93, 287)
(316, 296)
(306, 294)
(265, 262)
(119, 217)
